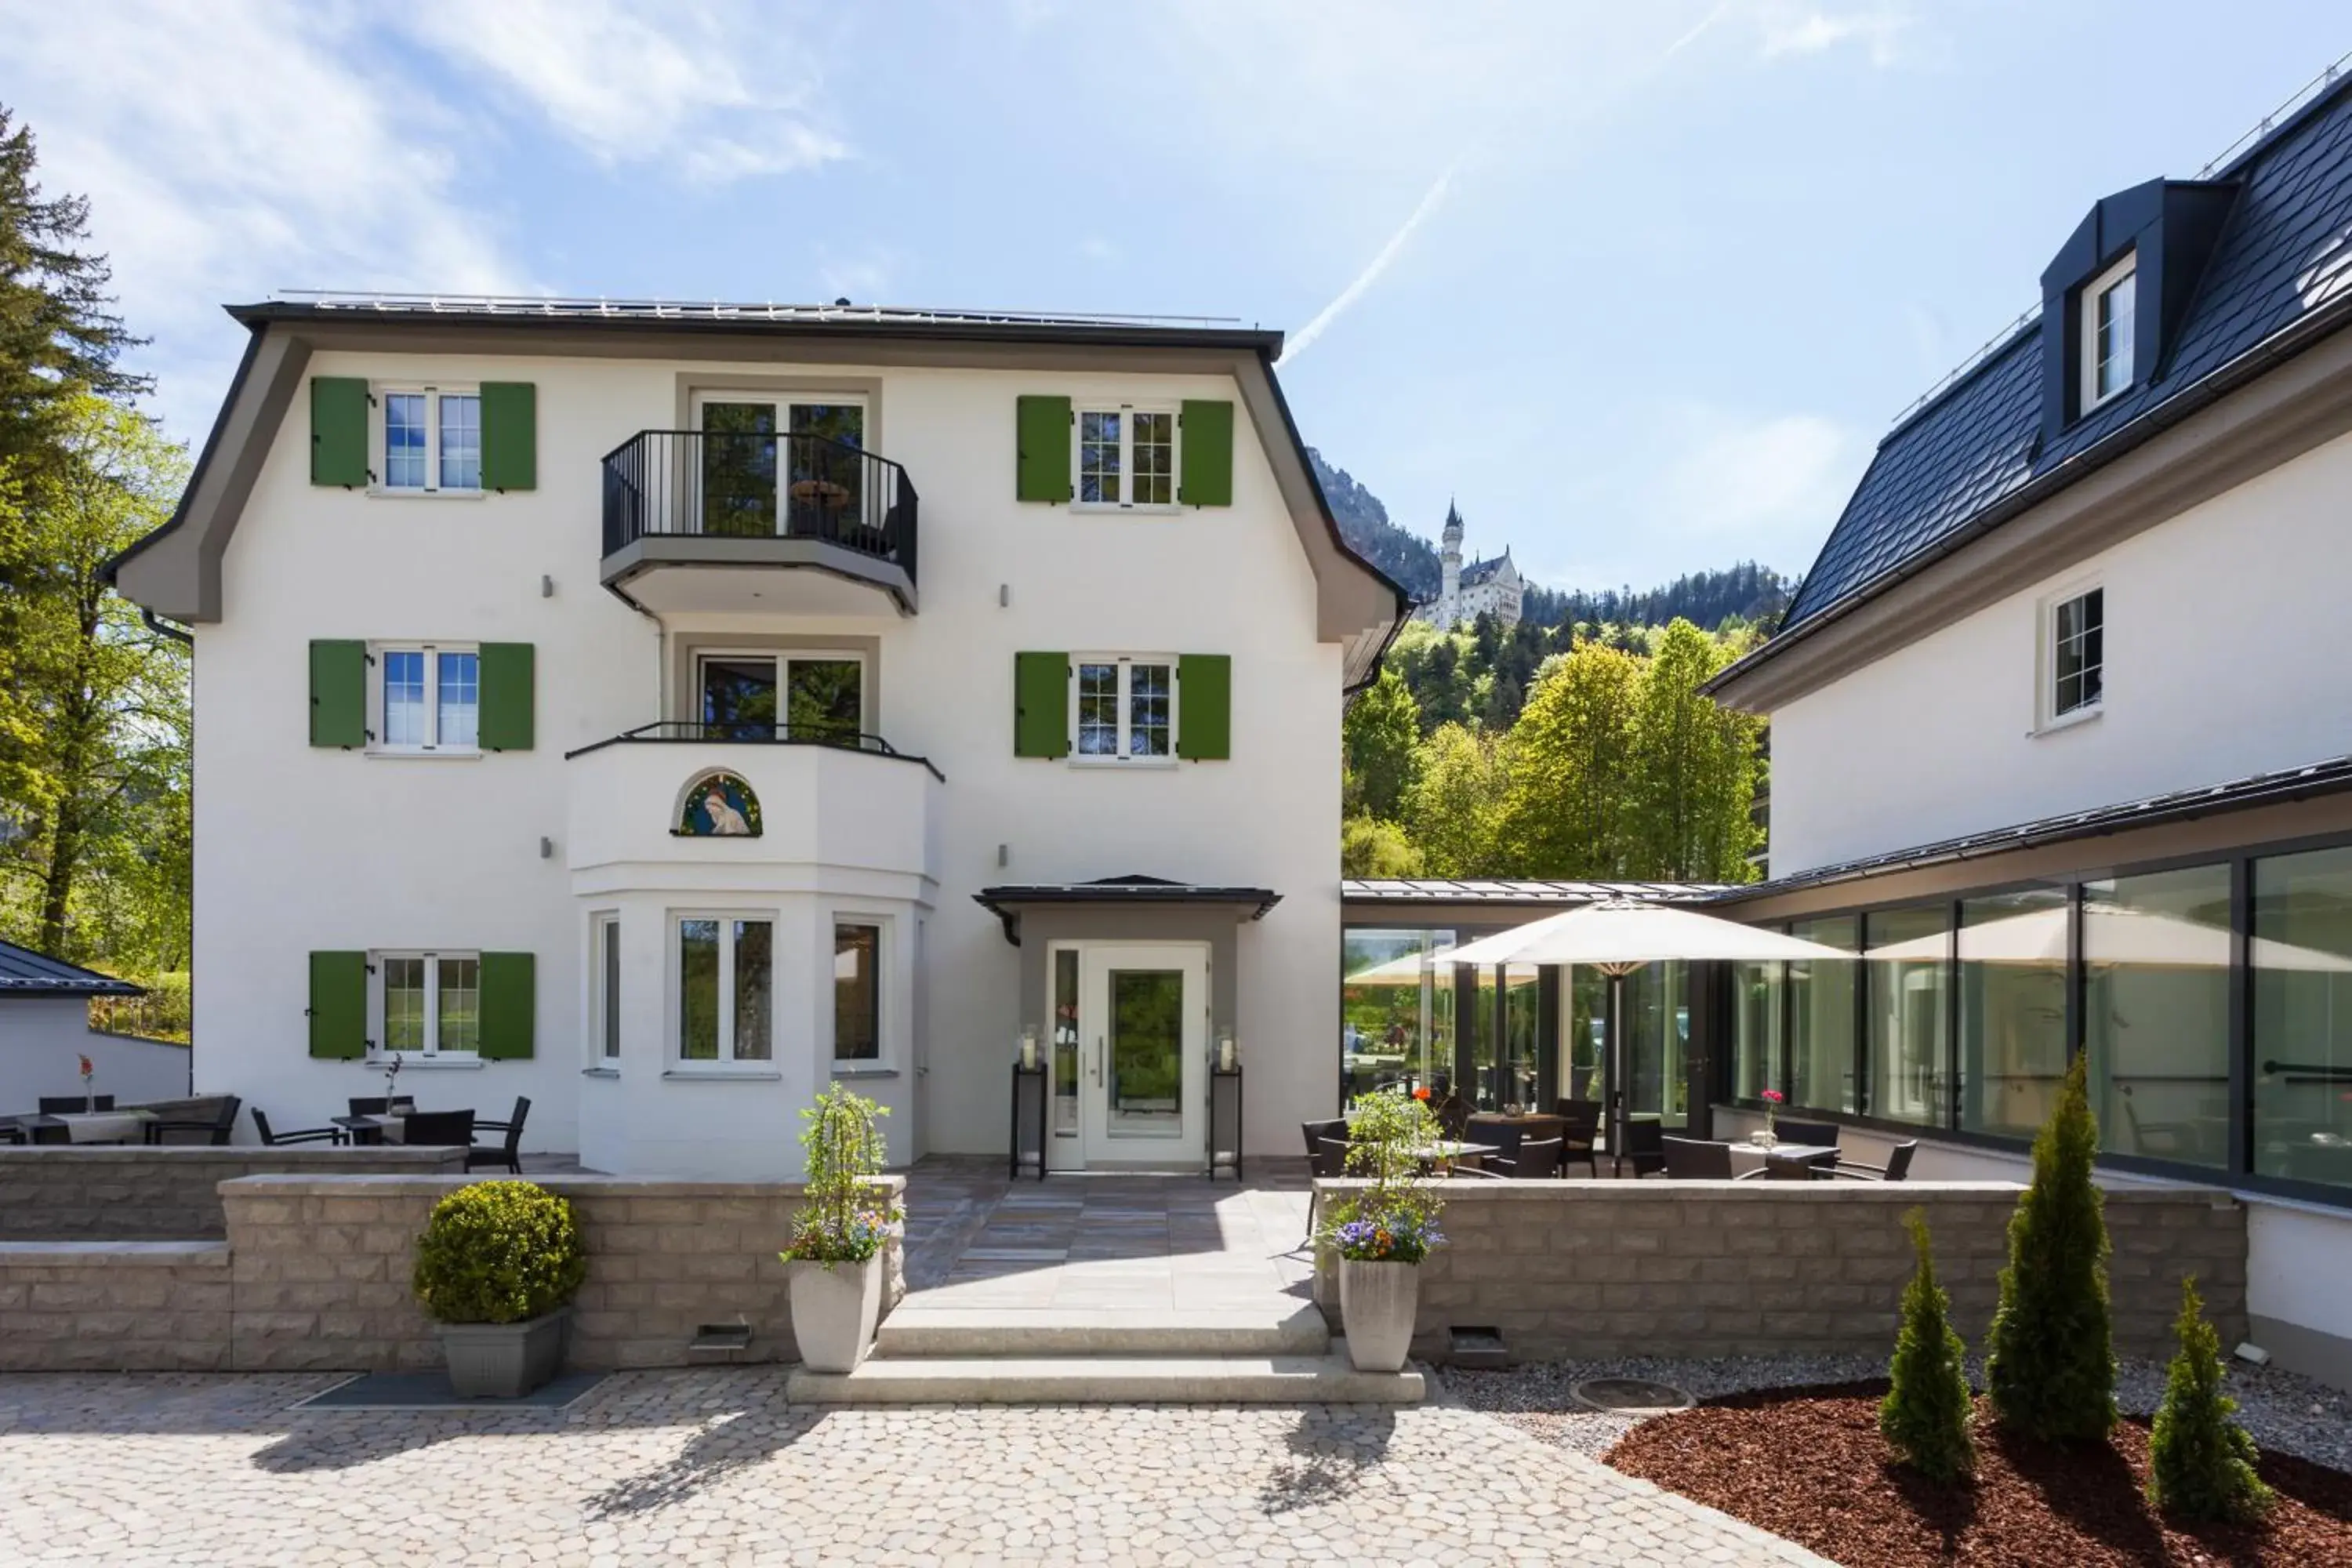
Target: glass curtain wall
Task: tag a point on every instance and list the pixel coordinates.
(1909, 954)
(2155, 972)
(1657, 1042)
(1758, 990)
(1522, 1020)
(1820, 1018)
(1583, 1032)
(1487, 1090)
(2302, 955)
(2013, 954)
(1390, 1008)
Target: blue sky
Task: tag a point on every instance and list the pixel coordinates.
(1639, 284)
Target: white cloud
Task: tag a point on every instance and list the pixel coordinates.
(671, 84)
(1789, 29)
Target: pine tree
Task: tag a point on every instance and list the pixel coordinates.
(1926, 1412)
(2049, 1365)
(2201, 1463)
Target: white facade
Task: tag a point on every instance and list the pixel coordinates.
(2219, 662)
(41, 1039)
(303, 847)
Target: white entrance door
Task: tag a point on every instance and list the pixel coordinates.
(1143, 1014)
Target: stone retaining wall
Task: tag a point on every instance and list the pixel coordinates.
(170, 1193)
(321, 1265)
(1580, 1269)
(122, 1306)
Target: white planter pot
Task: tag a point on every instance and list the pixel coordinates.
(1378, 1302)
(504, 1361)
(835, 1310)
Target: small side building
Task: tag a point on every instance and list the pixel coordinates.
(45, 1030)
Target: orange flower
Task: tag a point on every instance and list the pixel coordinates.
(1422, 1093)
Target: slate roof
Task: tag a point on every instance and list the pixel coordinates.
(23, 973)
(2284, 256)
(1477, 572)
(1530, 893)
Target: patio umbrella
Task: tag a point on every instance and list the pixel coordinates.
(2141, 937)
(1618, 936)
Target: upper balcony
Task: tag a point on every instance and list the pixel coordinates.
(755, 521)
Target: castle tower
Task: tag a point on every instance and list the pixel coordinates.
(1449, 564)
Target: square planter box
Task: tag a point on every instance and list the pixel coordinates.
(504, 1361)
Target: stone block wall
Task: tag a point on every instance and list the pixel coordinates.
(321, 1266)
(132, 1193)
(1580, 1269)
(123, 1306)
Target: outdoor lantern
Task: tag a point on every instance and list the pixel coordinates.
(1028, 1050)
(1225, 1054)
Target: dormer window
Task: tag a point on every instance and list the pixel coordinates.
(2108, 302)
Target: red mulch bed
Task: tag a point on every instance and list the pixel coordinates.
(1809, 1465)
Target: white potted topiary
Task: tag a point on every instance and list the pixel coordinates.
(1382, 1232)
(835, 1260)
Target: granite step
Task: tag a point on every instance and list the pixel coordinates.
(980, 1332)
(1105, 1379)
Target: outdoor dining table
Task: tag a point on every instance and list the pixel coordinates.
(87, 1127)
(1452, 1150)
(1760, 1155)
(387, 1128)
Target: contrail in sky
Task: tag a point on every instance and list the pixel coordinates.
(1429, 202)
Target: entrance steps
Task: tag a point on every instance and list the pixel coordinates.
(979, 1356)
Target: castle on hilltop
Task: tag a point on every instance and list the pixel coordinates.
(1464, 593)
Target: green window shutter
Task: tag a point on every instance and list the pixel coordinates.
(1206, 432)
(509, 435)
(339, 430)
(1204, 706)
(1041, 704)
(1043, 430)
(510, 1005)
(339, 986)
(506, 697)
(339, 694)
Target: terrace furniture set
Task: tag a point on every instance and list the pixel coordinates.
(74, 1118)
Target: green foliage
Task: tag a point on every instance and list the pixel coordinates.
(2201, 1463)
(1926, 1412)
(1370, 848)
(1569, 788)
(1395, 1218)
(1693, 768)
(498, 1252)
(1452, 812)
(2049, 1365)
(1381, 736)
(844, 1216)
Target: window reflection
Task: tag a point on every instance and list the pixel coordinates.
(2302, 955)
(1820, 1018)
(1393, 1003)
(2156, 971)
(2012, 949)
(1909, 952)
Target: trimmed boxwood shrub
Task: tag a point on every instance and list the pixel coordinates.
(498, 1252)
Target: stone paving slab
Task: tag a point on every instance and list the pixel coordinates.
(712, 1467)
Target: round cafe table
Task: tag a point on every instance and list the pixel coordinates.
(1749, 1158)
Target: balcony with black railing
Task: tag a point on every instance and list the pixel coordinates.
(754, 521)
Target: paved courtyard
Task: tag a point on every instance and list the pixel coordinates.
(714, 1467)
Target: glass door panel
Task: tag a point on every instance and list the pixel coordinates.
(824, 699)
(738, 697)
(739, 470)
(1143, 1032)
(1145, 1051)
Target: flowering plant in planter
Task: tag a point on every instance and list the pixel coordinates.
(1382, 1231)
(1408, 1240)
(835, 1257)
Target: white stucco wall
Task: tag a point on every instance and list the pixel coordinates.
(302, 848)
(2222, 659)
(40, 1038)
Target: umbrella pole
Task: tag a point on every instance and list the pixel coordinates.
(1616, 1088)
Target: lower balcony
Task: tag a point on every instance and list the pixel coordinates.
(753, 521)
(693, 806)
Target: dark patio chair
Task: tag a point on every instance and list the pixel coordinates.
(1536, 1159)
(307, 1135)
(1582, 1135)
(439, 1130)
(508, 1152)
(1326, 1155)
(1453, 1117)
(1896, 1169)
(1645, 1145)
(1780, 1165)
(72, 1104)
(1697, 1158)
(216, 1130)
(376, 1107)
(1824, 1133)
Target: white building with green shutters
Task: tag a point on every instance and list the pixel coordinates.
(661, 713)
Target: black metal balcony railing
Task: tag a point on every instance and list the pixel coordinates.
(723, 484)
(744, 733)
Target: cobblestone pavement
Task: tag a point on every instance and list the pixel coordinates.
(713, 1468)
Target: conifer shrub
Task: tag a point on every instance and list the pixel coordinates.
(2050, 1364)
(2201, 1463)
(1926, 1412)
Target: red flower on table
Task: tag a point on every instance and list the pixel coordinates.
(87, 1070)
(1774, 1096)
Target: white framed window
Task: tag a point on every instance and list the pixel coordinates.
(2074, 639)
(1123, 709)
(427, 1003)
(1125, 455)
(427, 698)
(800, 694)
(2109, 308)
(428, 440)
(605, 989)
(856, 991)
(725, 970)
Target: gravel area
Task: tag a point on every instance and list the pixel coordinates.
(2285, 1413)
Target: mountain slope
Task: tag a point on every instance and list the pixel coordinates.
(1364, 524)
